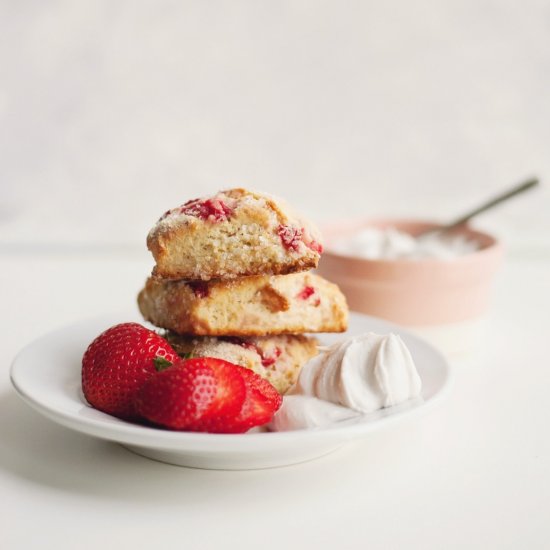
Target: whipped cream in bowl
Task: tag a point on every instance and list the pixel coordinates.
(436, 284)
(390, 243)
(350, 379)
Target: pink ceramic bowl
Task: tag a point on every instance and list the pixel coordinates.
(417, 293)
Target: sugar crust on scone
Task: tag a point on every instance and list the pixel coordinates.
(250, 306)
(278, 359)
(233, 234)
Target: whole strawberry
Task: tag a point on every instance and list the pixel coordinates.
(116, 365)
(190, 392)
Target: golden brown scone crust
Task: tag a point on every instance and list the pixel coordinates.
(278, 359)
(250, 306)
(238, 233)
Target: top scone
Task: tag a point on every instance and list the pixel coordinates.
(232, 234)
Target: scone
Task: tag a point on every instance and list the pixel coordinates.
(276, 358)
(232, 234)
(248, 306)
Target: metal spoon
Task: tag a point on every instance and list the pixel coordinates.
(501, 197)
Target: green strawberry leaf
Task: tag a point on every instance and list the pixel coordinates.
(161, 363)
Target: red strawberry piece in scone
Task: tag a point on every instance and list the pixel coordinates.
(213, 209)
(306, 292)
(117, 363)
(291, 237)
(267, 359)
(190, 392)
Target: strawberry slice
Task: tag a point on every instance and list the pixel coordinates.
(231, 387)
(256, 411)
(192, 392)
(178, 396)
(208, 395)
(260, 384)
(260, 404)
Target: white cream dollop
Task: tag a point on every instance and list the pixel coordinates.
(391, 244)
(305, 411)
(360, 375)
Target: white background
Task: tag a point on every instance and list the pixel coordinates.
(111, 112)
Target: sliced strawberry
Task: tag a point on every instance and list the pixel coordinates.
(231, 390)
(208, 395)
(260, 404)
(179, 395)
(256, 411)
(263, 386)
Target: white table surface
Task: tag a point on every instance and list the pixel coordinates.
(472, 473)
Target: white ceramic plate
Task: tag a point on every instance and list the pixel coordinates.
(46, 374)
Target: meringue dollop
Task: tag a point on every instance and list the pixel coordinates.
(353, 377)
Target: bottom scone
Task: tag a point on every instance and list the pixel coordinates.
(276, 358)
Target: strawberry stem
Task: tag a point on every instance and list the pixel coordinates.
(161, 363)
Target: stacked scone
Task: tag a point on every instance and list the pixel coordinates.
(232, 281)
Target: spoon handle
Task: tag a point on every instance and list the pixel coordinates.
(516, 190)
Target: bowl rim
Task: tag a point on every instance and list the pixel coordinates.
(492, 245)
